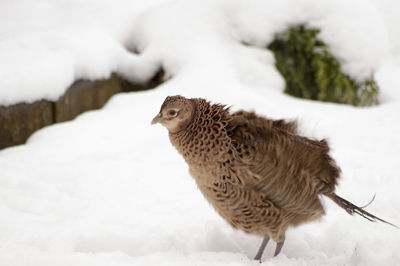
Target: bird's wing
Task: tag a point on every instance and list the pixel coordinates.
(288, 169)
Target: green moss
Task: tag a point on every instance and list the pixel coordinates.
(311, 72)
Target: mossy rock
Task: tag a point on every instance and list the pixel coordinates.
(311, 72)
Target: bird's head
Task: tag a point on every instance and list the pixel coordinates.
(175, 114)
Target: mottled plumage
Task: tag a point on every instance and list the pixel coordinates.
(258, 174)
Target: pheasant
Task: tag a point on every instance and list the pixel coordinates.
(258, 173)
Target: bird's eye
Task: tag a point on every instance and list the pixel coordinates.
(172, 113)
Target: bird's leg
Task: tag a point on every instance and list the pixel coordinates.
(262, 247)
(278, 248)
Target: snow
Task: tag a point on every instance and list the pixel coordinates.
(109, 189)
(46, 45)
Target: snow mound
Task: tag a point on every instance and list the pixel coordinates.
(46, 46)
(60, 41)
(183, 33)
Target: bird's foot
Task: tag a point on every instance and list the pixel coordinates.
(278, 248)
(261, 249)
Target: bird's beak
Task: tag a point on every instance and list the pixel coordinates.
(156, 119)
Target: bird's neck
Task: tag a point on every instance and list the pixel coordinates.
(205, 137)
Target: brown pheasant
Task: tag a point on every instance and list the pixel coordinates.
(257, 173)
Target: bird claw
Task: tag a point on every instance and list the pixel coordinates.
(278, 248)
(261, 249)
(264, 243)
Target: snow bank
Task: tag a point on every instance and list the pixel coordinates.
(209, 30)
(109, 189)
(45, 46)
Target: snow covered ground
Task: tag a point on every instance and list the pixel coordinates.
(109, 189)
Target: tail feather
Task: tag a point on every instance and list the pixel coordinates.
(351, 209)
